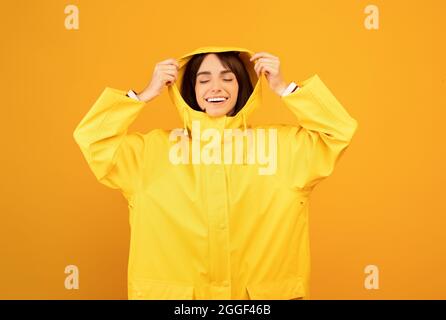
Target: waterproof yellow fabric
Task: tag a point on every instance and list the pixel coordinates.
(217, 231)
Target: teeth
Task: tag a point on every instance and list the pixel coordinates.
(215, 99)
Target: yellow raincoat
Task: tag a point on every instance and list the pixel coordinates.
(219, 230)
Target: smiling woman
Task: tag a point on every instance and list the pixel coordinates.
(216, 227)
(216, 83)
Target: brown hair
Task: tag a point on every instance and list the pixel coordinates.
(231, 60)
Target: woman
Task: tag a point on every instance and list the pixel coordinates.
(212, 225)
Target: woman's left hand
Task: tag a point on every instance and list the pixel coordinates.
(270, 65)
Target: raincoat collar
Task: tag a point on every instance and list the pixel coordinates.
(188, 115)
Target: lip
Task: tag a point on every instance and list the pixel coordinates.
(217, 103)
(216, 97)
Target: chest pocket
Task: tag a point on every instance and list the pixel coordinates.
(146, 289)
(287, 289)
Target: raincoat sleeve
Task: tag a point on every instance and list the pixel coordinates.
(114, 156)
(325, 132)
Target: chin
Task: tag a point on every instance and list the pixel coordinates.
(215, 113)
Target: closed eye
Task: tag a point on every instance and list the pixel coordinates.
(228, 80)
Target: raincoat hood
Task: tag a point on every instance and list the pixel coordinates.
(188, 115)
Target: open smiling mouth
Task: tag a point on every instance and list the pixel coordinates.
(217, 101)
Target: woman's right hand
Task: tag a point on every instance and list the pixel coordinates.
(164, 74)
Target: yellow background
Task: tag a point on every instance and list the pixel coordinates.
(384, 205)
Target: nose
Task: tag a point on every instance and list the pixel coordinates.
(216, 86)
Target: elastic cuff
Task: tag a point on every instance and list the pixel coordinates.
(132, 94)
(290, 89)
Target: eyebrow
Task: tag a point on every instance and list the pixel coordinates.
(208, 72)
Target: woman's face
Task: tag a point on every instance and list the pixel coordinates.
(215, 81)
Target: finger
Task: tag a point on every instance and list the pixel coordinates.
(266, 69)
(169, 80)
(170, 62)
(258, 67)
(267, 60)
(261, 55)
(167, 67)
(269, 70)
(170, 73)
(271, 64)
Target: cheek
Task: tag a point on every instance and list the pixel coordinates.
(234, 90)
(197, 92)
